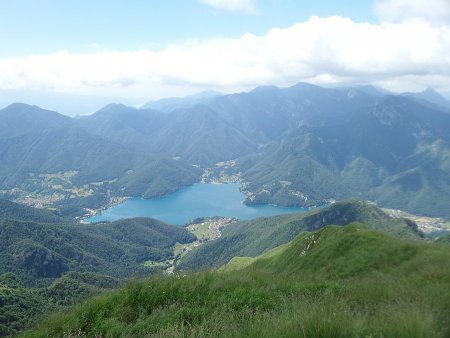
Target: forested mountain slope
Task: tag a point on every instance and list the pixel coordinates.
(38, 247)
(46, 159)
(396, 153)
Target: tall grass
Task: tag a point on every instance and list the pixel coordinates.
(405, 296)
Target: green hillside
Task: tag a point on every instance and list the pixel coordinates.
(405, 164)
(252, 238)
(21, 307)
(15, 211)
(47, 261)
(347, 281)
(38, 251)
(47, 160)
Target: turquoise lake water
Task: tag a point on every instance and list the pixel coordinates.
(198, 200)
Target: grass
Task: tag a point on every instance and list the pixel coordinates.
(239, 263)
(352, 282)
(207, 306)
(153, 264)
(201, 230)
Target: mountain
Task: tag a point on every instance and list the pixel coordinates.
(298, 146)
(47, 159)
(430, 95)
(64, 103)
(254, 237)
(224, 127)
(19, 119)
(336, 282)
(69, 149)
(38, 251)
(395, 153)
(19, 212)
(174, 103)
(267, 113)
(370, 90)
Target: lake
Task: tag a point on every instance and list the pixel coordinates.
(198, 200)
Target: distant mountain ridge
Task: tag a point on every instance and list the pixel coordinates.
(174, 103)
(227, 126)
(19, 119)
(432, 96)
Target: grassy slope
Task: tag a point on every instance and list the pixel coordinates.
(338, 282)
(252, 238)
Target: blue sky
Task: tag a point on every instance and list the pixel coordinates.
(149, 49)
(44, 26)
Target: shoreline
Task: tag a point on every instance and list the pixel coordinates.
(93, 212)
(114, 201)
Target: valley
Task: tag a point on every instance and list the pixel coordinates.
(47, 189)
(205, 229)
(101, 257)
(290, 147)
(225, 168)
(265, 192)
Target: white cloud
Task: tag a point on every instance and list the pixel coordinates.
(398, 10)
(401, 56)
(247, 6)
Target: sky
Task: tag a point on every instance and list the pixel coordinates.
(149, 49)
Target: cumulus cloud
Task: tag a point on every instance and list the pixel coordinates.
(398, 10)
(247, 6)
(401, 56)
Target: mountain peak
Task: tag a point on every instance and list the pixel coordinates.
(265, 89)
(431, 95)
(114, 108)
(430, 90)
(20, 118)
(19, 106)
(173, 103)
(21, 110)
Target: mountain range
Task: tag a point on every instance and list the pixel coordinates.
(303, 145)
